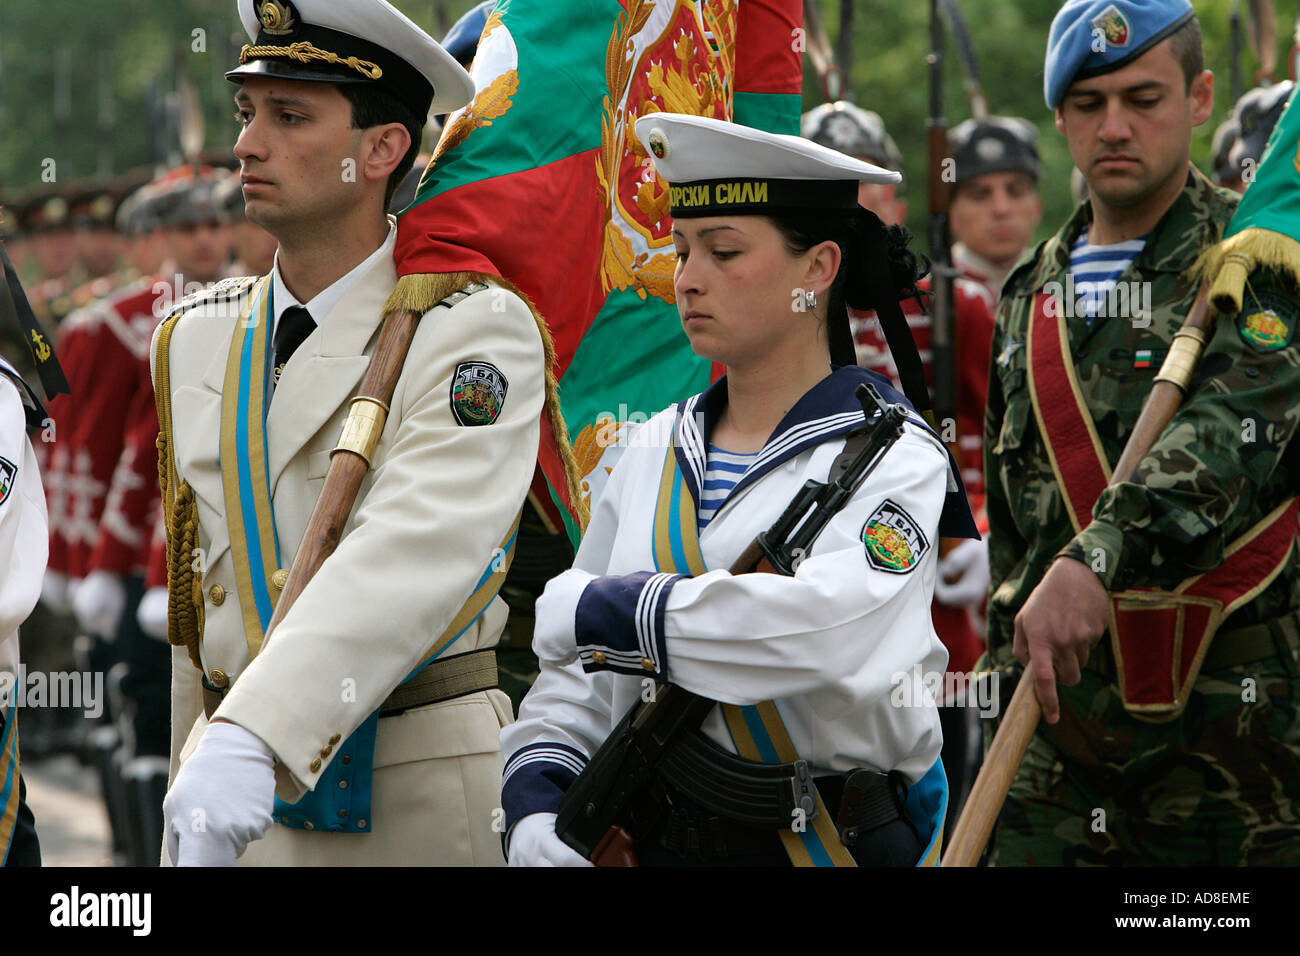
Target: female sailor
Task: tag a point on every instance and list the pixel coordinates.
(823, 748)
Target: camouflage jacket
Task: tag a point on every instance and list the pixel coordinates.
(1225, 461)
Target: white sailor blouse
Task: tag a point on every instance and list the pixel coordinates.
(840, 648)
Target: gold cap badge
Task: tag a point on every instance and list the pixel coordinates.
(276, 18)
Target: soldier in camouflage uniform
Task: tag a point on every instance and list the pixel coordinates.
(1220, 784)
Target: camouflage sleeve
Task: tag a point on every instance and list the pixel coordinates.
(1006, 546)
(1221, 463)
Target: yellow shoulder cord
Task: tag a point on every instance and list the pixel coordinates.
(180, 517)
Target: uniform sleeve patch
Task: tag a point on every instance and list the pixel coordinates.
(8, 474)
(1267, 323)
(893, 539)
(478, 393)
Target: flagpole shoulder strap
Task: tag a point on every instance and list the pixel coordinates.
(1159, 638)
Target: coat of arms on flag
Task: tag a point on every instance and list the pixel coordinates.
(541, 180)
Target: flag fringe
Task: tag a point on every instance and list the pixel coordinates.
(420, 293)
(1228, 264)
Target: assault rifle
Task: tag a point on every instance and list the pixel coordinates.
(594, 808)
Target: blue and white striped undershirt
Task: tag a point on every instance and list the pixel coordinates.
(722, 469)
(1096, 270)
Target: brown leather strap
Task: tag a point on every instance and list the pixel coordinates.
(443, 679)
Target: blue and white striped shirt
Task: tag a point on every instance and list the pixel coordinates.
(1096, 269)
(722, 469)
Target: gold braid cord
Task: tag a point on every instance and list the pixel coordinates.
(304, 52)
(184, 584)
(420, 293)
(180, 517)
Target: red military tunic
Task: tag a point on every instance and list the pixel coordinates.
(104, 350)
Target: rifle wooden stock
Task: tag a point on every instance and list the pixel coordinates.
(347, 467)
(1012, 739)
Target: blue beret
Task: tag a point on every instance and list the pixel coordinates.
(1091, 37)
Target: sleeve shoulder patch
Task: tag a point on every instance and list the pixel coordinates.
(478, 393)
(893, 539)
(1267, 321)
(8, 474)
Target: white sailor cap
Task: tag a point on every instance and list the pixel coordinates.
(351, 41)
(716, 168)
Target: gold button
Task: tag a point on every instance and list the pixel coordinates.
(326, 751)
(342, 814)
(598, 657)
(343, 784)
(315, 765)
(218, 678)
(647, 663)
(216, 594)
(335, 739)
(346, 759)
(361, 824)
(280, 578)
(309, 825)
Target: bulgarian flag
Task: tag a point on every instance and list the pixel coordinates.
(541, 181)
(1265, 229)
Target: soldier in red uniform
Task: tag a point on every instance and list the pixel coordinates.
(105, 348)
(103, 476)
(995, 206)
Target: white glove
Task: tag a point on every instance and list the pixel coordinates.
(54, 592)
(533, 843)
(222, 798)
(152, 613)
(555, 617)
(98, 603)
(963, 574)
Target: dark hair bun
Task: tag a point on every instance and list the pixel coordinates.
(880, 266)
(906, 267)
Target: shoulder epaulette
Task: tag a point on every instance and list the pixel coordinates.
(221, 291)
(457, 297)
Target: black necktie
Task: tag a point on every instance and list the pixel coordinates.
(293, 328)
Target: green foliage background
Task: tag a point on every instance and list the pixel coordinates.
(109, 52)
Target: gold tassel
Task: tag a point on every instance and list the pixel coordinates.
(1228, 264)
(420, 293)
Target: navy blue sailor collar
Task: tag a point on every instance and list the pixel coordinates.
(826, 411)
